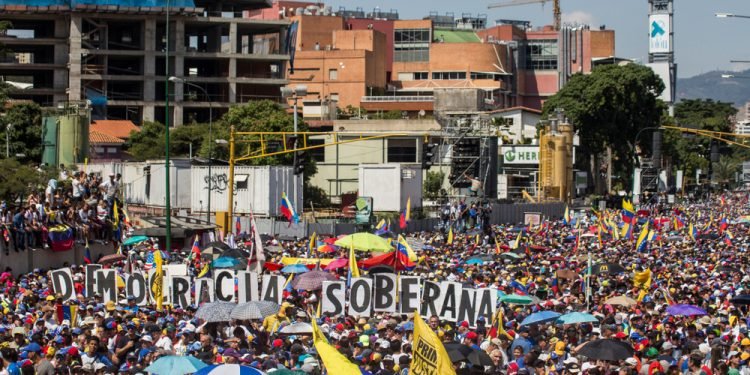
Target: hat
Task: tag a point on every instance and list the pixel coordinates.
(573, 368)
(745, 342)
(147, 338)
(621, 335)
(631, 361)
(745, 356)
(667, 346)
(33, 347)
(278, 343)
(72, 351)
(19, 331)
(471, 335)
(50, 298)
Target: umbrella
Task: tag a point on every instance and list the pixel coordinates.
(364, 242)
(685, 310)
(621, 300)
(473, 261)
(297, 328)
(380, 269)
(111, 258)
(134, 240)
(394, 259)
(519, 299)
(606, 269)
(606, 350)
(225, 262)
(336, 264)
(458, 352)
(312, 280)
(295, 268)
(286, 371)
(327, 248)
(742, 299)
(211, 253)
(215, 312)
(510, 255)
(576, 317)
(254, 310)
(234, 253)
(540, 317)
(175, 364)
(229, 369)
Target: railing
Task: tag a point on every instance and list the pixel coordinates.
(398, 98)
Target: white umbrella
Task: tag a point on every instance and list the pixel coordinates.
(297, 328)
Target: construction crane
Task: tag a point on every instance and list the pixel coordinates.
(555, 7)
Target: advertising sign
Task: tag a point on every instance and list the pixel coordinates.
(659, 29)
(520, 154)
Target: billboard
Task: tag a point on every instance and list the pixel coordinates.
(659, 29)
(520, 154)
(662, 70)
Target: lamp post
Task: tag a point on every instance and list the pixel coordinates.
(210, 137)
(294, 94)
(8, 128)
(167, 202)
(730, 15)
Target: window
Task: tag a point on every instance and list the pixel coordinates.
(402, 150)
(541, 55)
(449, 75)
(421, 76)
(333, 74)
(111, 150)
(411, 45)
(334, 96)
(99, 150)
(240, 181)
(317, 154)
(480, 75)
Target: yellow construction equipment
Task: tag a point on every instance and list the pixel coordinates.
(555, 8)
(719, 136)
(556, 161)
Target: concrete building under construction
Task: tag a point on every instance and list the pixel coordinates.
(119, 55)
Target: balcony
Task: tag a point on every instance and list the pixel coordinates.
(399, 103)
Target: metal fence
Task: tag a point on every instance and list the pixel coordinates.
(501, 214)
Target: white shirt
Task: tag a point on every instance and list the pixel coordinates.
(164, 343)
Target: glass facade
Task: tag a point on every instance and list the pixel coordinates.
(411, 45)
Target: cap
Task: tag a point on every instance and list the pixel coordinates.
(471, 335)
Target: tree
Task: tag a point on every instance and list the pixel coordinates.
(25, 130)
(724, 171)
(691, 152)
(149, 142)
(607, 108)
(17, 179)
(432, 183)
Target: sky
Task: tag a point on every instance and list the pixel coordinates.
(702, 42)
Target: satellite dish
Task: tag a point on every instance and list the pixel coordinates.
(421, 113)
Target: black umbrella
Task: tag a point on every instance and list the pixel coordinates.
(458, 352)
(218, 245)
(380, 269)
(606, 350)
(607, 269)
(742, 299)
(234, 253)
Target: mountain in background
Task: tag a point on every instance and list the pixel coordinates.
(711, 86)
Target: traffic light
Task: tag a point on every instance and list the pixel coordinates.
(428, 154)
(300, 159)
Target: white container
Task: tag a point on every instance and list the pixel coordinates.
(391, 185)
(257, 188)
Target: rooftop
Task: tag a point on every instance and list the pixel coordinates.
(456, 36)
(115, 128)
(97, 138)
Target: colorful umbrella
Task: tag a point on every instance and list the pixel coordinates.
(295, 268)
(175, 364)
(134, 240)
(312, 280)
(519, 299)
(576, 317)
(540, 317)
(336, 264)
(229, 369)
(364, 242)
(685, 310)
(225, 262)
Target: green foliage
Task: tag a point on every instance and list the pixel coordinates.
(257, 116)
(351, 111)
(432, 184)
(26, 131)
(390, 115)
(725, 170)
(316, 195)
(17, 179)
(690, 152)
(149, 142)
(608, 107)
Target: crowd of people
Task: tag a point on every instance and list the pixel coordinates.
(80, 201)
(668, 255)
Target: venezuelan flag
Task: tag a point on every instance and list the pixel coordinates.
(61, 238)
(566, 216)
(87, 254)
(405, 249)
(67, 312)
(641, 243)
(287, 210)
(353, 268)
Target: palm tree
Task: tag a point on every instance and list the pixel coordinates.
(724, 171)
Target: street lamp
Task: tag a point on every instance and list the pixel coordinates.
(210, 137)
(294, 94)
(732, 76)
(730, 15)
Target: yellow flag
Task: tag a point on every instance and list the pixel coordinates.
(429, 354)
(334, 361)
(642, 281)
(317, 333)
(500, 325)
(353, 269)
(408, 209)
(450, 236)
(158, 280)
(642, 237)
(204, 271)
(518, 242)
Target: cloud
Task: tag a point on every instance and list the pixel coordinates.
(578, 17)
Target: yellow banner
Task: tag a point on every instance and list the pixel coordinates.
(429, 355)
(287, 261)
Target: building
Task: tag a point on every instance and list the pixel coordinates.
(104, 147)
(113, 54)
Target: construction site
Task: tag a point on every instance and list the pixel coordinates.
(119, 55)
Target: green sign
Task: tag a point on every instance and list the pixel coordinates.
(364, 210)
(520, 154)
